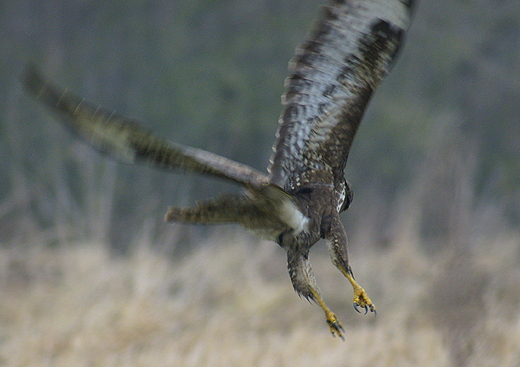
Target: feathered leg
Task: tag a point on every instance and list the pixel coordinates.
(337, 245)
(305, 285)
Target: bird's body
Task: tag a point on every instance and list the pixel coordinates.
(332, 77)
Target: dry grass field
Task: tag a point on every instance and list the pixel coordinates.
(229, 302)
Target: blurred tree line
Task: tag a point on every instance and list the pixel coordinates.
(436, 156)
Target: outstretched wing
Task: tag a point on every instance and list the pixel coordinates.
(332, 78)
(128, 142)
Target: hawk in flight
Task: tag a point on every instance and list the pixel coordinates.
(332, 77)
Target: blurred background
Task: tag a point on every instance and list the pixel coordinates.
(434, 166)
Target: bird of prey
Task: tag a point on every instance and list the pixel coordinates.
(331, 79)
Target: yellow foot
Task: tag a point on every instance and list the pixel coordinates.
(334, 325)
(361, 300)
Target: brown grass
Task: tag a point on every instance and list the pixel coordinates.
(230, 303)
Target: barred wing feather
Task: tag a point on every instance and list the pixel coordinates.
(127, 141)
(332, 77)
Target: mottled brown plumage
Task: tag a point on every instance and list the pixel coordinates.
(332, 78)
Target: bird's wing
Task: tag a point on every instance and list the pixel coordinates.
(332, 77)
(127, 141)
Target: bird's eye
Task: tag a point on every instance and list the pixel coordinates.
(349, 195)
(305, 190)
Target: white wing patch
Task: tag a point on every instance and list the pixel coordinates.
(294, 218)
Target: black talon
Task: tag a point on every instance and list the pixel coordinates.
(339, 329)
(356, 308)
(366, 310)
